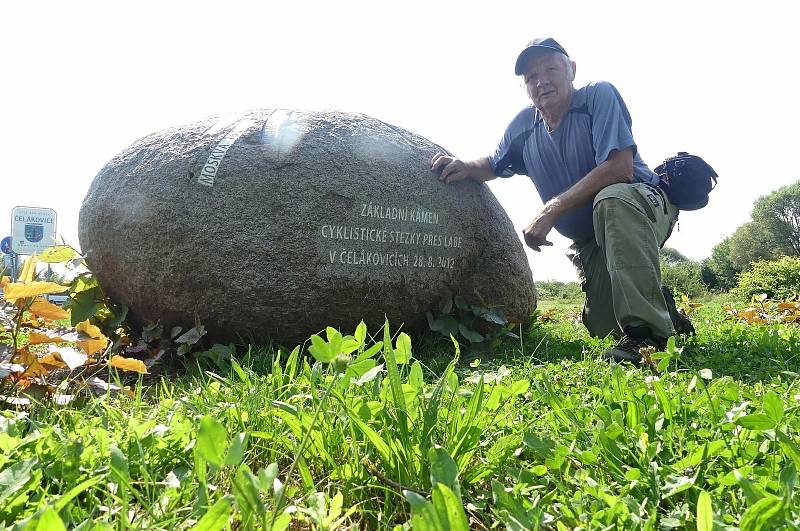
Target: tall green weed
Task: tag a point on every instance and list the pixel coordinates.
(361, 432)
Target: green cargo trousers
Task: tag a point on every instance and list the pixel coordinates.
(619, 268)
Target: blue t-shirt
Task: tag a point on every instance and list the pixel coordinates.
(597, 123)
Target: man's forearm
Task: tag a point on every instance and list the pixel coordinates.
(480, 170)
(617, 169)
(452, 169)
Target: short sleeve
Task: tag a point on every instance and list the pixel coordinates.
(611, 122)
(507, 159)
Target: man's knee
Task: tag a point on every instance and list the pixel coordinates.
(618, 204)
(615, 192)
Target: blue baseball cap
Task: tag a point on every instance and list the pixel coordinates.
(537, 45)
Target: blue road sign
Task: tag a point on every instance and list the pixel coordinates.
(5, 245)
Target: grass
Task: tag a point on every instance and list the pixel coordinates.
(532, 433)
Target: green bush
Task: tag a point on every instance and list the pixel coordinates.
(556, 290)
(779, 279)
(684, 278)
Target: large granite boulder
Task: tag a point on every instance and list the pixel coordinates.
(277, 223)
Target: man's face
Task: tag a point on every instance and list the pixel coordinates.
(548, 81)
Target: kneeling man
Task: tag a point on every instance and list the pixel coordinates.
(577, 147)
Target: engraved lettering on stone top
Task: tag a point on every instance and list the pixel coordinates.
(223, 123)
(209, 172)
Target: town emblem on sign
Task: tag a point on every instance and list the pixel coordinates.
(34, 232)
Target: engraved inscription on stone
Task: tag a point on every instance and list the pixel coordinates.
(390, 236)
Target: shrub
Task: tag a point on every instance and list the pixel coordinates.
(684, 277)
(556, 290)
(722, 272)
(779, 279)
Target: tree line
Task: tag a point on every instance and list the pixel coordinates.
(772, 233)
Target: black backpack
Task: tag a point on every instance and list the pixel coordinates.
(687, 180)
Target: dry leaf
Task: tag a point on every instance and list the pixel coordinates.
(11, 367)
(15, 400)
(128, 364)
(63, 400)
(93, 346)
(71, 357)
(17, 290)
(98, 384)
(26, 357)
(96, 341)
(152, 361)
(4, 281)
(28, 270)
(192, 336)
(6, 321)
(40, 336)
(47, 310)
(89, 329)
(52, 360)
(35, 369)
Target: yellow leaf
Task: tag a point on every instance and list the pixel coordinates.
(4, 281)
(89, 329)
(34, 369)
(26, 357)
(57, 254)
(69, 356)
(92, 346)
(52, 359)
(128, 364)
(38, 338)
(96, 342)
(47, 310)
(30, 361)
(16, 290)
(28, 270)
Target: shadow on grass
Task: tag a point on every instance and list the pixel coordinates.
(745, 352)
(538, 343)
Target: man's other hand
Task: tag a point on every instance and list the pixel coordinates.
(536, 233)
(450, 169)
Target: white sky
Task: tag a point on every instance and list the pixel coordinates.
(82, 80)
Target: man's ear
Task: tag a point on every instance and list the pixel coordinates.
(573, 70)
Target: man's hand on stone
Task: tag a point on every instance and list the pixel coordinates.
(450, 169)
(536, 233)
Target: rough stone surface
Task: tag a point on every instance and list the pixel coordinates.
(278, 223)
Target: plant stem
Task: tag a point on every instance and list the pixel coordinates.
(299, 451)
(372, 469)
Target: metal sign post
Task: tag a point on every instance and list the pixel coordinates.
(9, 258)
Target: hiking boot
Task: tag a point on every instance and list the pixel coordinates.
(628, 349)
(680, 321)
